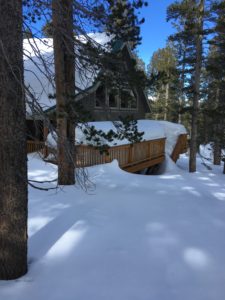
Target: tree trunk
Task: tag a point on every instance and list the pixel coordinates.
(196, 88)
(166, 102)
(216, 153)
(63, 37)
(217, 131)
(182, 96)
(13, 171)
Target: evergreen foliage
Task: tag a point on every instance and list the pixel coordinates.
(47, 30)
(214, 104)
(126, 128)
(164, 91)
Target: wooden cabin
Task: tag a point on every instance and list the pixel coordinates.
(101, 102)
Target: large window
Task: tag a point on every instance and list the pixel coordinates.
(100, 96)
(128, 99)
(113, 97)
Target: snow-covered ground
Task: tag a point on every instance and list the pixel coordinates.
(133, 237)
(207, 151)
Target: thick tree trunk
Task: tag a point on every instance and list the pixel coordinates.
(62, 14)
(217, 153)
(13, 171)
(196, 87)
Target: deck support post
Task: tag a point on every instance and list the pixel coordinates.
(45, 135)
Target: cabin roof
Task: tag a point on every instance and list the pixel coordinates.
(39, 71)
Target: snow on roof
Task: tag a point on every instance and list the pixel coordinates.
(39, 70)
(100, 38)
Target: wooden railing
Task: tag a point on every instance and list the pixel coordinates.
(131, 157)
(180, 147)
(34, 146)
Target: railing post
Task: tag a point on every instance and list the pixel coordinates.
(131, 154)
(149, 149)
(107, 156)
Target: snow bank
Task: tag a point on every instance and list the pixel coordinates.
(206, 151)
(152, 130)
(134, 237)
(172, 131)
(168, 166)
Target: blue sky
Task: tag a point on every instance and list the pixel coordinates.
(155, 30)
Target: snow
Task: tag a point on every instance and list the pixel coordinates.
(39, 70)
(152, 130)
(38, 73)
(172, 131)
(206, 151)
(131, 237)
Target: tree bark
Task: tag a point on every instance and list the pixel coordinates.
(13, 171)
(63, 37)
(216, 153)
(166, 102)
(196, 88)
(217, 131)
(182, 96)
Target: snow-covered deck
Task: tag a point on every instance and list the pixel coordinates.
(130, 157)
(159, 138)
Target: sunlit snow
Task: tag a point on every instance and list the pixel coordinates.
(134, 237)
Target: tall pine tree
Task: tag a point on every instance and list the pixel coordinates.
(188, 16)
(13, 171)
(162, 72)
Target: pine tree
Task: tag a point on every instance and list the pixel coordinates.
(63, 38)
(215, 107)
(47, 30)
(188, 16)
(165, 82)
(13, 171)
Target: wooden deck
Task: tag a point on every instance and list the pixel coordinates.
(34, 146)
(131, 157)
(180, 147)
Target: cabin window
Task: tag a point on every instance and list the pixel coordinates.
(113, 98)
(124, 95)
(100, 96)
(127, 99)
(133, 103)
